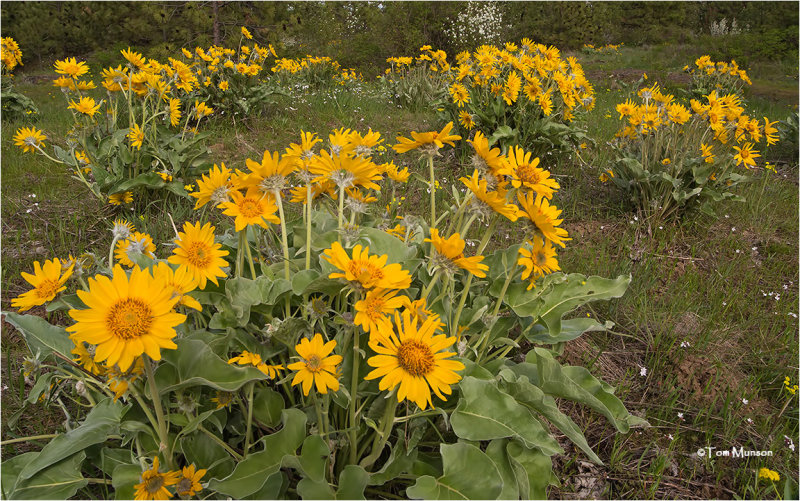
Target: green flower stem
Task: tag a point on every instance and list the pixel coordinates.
(163, 432)
(320, 427)
(385, 432)
(111, 253)
(28, 439)
(248, 432)
(509, 278)
(465, 229)
(249, 256)
(221, 442)
(429, 287)
(308, 226)
(284, 244)
(240, 254)
(433, 191)
(341, 211)
(484, 242)
(354, 400)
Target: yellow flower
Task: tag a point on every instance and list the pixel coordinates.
(137, 244)
(118, 381)
(304, 151)
(125, 317)
(213, 187)
(188, 483)
(134, 58)
(460, 94)
(254, 359)
(154, 484)
(223, 399)
(197, 251)
(372, 310)
(174, 112)
(136, 136)
(494, 200)
(394, 173)
(246, 33)
(270, 175)
(431, 142)
(525, 172)
(28, 138)
(365, 271)
(86, 105)
(543, 216)
(539, 261)
(124, 197)
(202, 110)
(47, 282)
(450, 254)
(413, 357)
(768, 474)
(180, 281)
(666, 161)
(317, 366)
(223, 85)
(465, 119)
(345, 170)
(86, 358)
(254, 207)
(705, 150)
(512, 87)
(71, 67)
(746, 155)
(770, 131)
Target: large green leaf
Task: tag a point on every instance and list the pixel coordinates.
(244, 293)
(534, 470)
(103, 420)
(576, 383)
(562, 297)
(60, 480)
(195, 364)
(400, 461)
(496, 450)
(250, 474)
(570, 329)
(380, 243)
(40, 335)
(352, 482)
(124, 479)
(204, 452)
(267, 406)
(484, 412)
(468, 474)
(532, 396)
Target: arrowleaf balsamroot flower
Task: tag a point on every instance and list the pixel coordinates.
(124, 197)
(197, 251)
(28, 138)
(414, 359)
(253, 208)
(486, 202)
(181, 281)
(450, 253)
(137, 243)
(125, 317)
(746, 155)
(543, 216)
(430, 142)
(365, 271)
(85, 105)
(71, 67)
(372, 311)
(525, 172)
(47, 282)
(317, 367)
(254, 359)
(188, 483)
(154, 484)
(214, 187)
(136, 136)
(539, 261)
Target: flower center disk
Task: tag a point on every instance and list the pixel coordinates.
(129, 318)
(415, 358)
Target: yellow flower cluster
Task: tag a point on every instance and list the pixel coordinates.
(217, 67)
(768, 474)
(603, 48)
(186, 482)
(791, 388)
(554, 85)
(10, 54)
(708, 67)
(317, 65)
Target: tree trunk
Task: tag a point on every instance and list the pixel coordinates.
(215, 7)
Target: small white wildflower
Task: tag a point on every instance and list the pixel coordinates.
(745, 401)
(660, 227)
(726, 216)
(642, 371)
(749, 421)
(724, 303)
(785, 287)
(635, 218)
(669, 436)
(680, 416)
(685, 344)
(793, 314)
(755, 248)
(738, 251)
(733, 228)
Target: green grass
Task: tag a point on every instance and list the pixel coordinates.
(690, 285)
